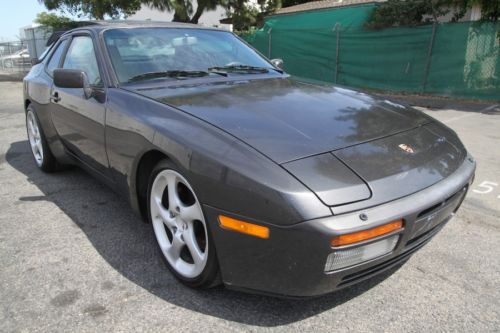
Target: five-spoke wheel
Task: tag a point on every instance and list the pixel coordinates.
(34, 137)
(39, 147)
(180, 228)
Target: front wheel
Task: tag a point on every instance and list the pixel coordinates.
(180, 228)
(38, 143)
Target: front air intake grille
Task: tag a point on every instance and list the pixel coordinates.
(432, 209)
(426, 235)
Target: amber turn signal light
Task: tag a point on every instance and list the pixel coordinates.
(360, 236)
(243, 227)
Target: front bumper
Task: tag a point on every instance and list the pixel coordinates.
(292, 261)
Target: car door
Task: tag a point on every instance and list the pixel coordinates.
(80, 121)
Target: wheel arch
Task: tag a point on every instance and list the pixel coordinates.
(145, 165)
(27, 103)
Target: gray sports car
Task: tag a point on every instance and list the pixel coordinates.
(250, 178)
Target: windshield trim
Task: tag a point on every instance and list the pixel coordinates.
(163, 83)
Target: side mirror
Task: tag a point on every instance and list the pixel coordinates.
(73, 78)
(278, 63)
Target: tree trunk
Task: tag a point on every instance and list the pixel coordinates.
(199, 11)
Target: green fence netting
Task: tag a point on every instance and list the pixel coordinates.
(451, 59)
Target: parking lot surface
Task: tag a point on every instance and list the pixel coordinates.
(75, 258)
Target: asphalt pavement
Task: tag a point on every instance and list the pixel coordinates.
(75, 258)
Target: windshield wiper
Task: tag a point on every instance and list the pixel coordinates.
(174, 73)
(242, 69)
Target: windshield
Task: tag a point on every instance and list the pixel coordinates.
(139, 51)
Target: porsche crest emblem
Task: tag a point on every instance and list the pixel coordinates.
(406, 148)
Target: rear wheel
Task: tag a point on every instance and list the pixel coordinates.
(39, 147)
(180, 228)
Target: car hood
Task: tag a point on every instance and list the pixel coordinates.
(382, 170)
(286, 119)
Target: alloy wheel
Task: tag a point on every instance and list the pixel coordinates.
(179, 224)
(34, 137)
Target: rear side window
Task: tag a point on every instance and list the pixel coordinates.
(56, 57)
(81, 56)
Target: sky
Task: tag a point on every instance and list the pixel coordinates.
(15, 14)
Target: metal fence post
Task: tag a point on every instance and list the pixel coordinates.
(270, 33)
(23, 64)
(337, 52)
(429, 57)
(10, 52)
(34, 43)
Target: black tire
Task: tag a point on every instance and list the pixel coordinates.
(210, 276)
(48, 162)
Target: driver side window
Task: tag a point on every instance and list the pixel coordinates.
(81, 56)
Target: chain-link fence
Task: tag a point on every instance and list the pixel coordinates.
(448, 59)
(17, 57)
(15, 60)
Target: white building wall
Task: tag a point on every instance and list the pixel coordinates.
(208, 19)
(34, 38)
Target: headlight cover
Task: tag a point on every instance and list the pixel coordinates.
(343, 258)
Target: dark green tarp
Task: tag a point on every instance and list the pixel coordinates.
(464, 58)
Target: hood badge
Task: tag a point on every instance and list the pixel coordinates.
(406, 148)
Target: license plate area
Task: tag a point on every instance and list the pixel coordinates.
(433, 218)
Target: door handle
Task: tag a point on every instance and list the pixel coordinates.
(55, 97)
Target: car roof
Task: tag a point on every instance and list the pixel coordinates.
(104, 25)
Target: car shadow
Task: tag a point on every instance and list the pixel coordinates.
(128, 245)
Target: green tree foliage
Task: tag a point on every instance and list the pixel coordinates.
(54, 21)
(97, 9)
(245, 18)
(288, 3)
(184, 9)
(394, 13)
(246, 15)
(490, 9)
(204, 5)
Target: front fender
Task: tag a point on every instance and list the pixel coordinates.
(225, 172)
